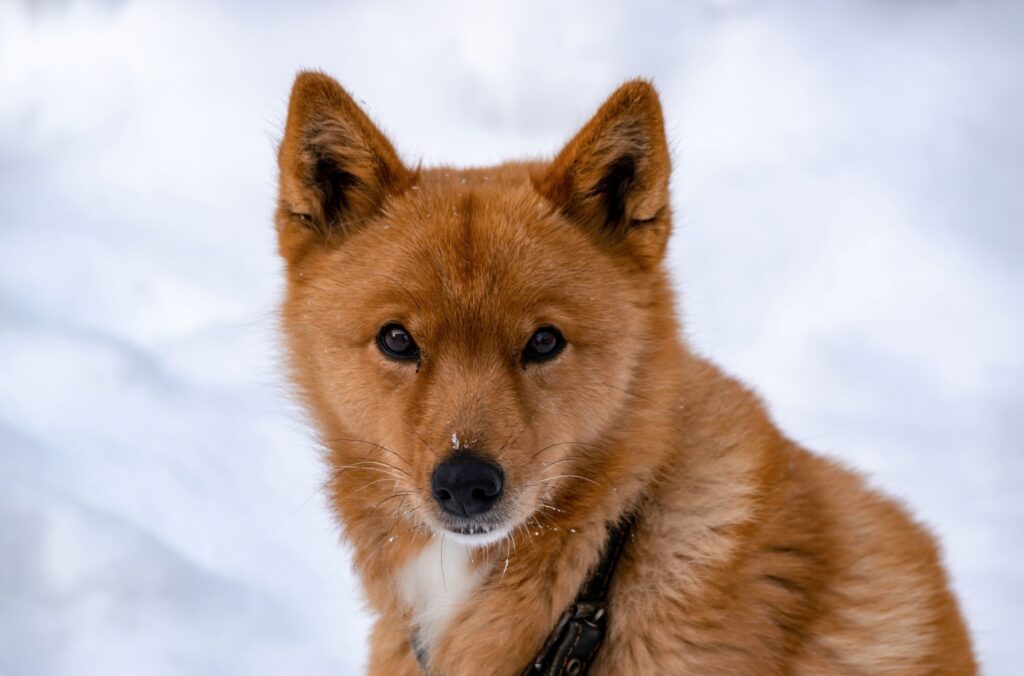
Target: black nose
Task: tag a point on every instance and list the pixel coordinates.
(466, 484)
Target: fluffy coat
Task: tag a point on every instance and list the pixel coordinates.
(750, 554)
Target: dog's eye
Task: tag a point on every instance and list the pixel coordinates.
(395, 342)
(543, 345)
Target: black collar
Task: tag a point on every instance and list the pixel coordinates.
(573, 644)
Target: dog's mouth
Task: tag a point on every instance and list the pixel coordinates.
(475, 534)
(471, 530)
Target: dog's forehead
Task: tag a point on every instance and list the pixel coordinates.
(478, 241)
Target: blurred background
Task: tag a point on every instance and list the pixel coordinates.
(849, 188)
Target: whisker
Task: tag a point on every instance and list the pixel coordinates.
(323, 485)
(570, 458)
(527, 529)
(395, 515)
(370, 443)
(420, 437)
(561, 443)
(544, 504)
(576, 455)
(551, 523)
(365, 486)
(505, 569)
(554, 509)
(378, 462)
(400, 494)
(396, 520)
(569, 476)
(512, 440)
(371, 461)
(340, 469)
(444, 581)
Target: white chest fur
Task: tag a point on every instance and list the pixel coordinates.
(434, 583)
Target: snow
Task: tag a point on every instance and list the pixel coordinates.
(849, 241)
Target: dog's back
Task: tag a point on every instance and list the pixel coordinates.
(793, 566)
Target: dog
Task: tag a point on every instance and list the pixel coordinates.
(495, 368)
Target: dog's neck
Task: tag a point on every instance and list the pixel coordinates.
(434, 582)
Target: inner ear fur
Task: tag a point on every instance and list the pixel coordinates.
(613, 176)
(336, 167)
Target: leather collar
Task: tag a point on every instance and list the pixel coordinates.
(571, 647)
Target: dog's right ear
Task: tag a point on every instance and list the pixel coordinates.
(336, 168)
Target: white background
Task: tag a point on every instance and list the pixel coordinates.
(849, 181)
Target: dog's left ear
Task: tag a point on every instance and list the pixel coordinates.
(613, 176)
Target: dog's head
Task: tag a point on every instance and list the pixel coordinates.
(467, 339)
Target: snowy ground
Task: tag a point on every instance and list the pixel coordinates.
(849, 180)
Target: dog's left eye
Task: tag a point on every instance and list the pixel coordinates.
(543, 345)
(395, 342)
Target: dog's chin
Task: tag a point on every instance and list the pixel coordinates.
(475, 535)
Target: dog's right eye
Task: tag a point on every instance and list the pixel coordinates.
(395, 342)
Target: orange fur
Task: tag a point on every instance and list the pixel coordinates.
(750, 555)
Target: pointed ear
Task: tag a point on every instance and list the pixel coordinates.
(613, 176)
(336, 168)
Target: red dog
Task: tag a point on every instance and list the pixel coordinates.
(493, 359)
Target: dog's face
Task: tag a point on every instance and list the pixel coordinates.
(466, 337)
